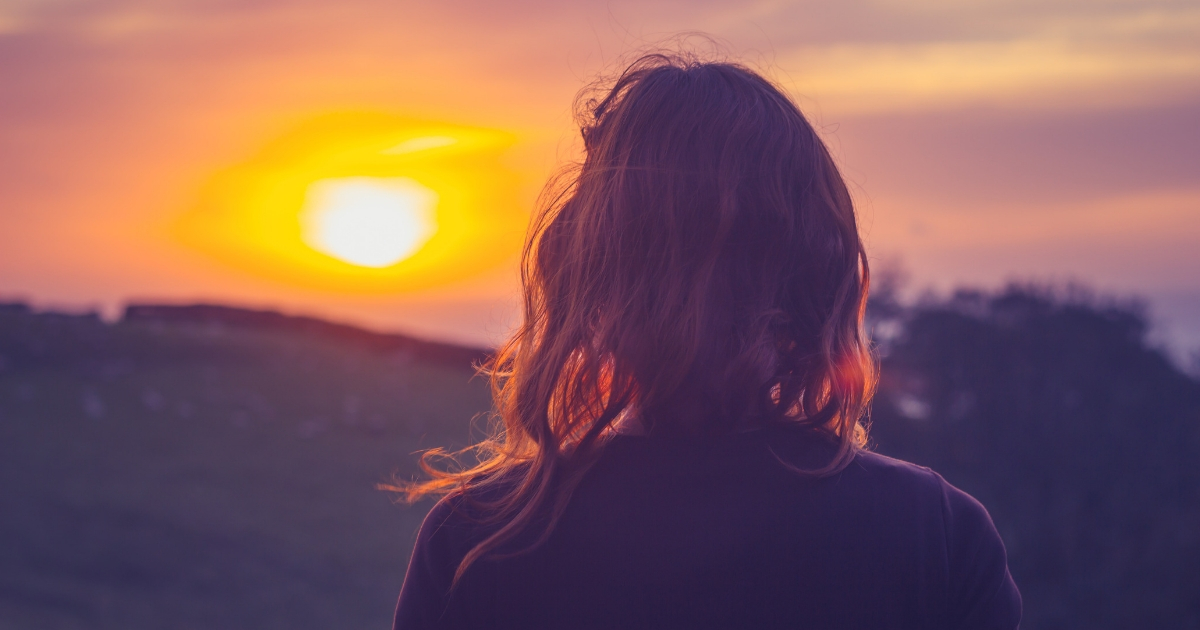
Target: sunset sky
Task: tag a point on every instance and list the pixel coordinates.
(163, 150)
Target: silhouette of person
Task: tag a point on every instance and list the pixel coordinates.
(680, 440)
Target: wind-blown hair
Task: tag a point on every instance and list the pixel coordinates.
(699, 273)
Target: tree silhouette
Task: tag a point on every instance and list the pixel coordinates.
(1082, 440)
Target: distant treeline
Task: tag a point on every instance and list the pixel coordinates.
(1050, 406)
(1081, 439)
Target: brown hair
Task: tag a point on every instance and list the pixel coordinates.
(701, 270)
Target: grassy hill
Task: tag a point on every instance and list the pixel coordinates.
(213, 468)
(208, 467)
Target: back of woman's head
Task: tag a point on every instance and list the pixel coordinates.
(706, 258)
(699, 273)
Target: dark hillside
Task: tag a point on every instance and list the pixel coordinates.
(218, 316)
(176, 471)
(207, 467)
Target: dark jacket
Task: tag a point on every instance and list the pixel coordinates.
(719, 533)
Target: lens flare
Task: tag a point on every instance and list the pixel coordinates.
(368, 221)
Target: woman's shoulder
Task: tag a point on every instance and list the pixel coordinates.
(809, 450)
(458, 522)
(474, 510)
(980, 589)
(467, 508)
(889, 470)
(450, 527)
(912, 484)
(897, 474)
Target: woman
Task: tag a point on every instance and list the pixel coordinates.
(679, 443)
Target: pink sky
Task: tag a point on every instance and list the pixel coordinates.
(1048, 140)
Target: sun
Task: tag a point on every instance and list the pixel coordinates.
(368, 221)
(361, 202)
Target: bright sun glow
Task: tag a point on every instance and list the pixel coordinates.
(420, 144)
(368, 221)
(366, 203)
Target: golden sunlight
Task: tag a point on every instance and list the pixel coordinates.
(366, 221)
(361, 202)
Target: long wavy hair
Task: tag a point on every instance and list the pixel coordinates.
(699, 273)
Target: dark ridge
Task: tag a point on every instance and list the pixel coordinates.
(233, 317)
